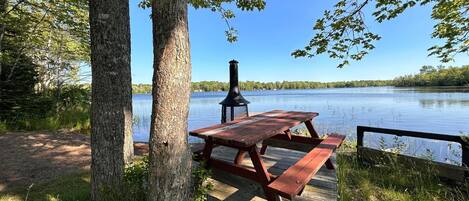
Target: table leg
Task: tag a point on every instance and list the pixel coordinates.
(239, 157)
(311, 130)
(207, 150)
(263, 175)
(314, 134)
(264, 146)
(288, 133)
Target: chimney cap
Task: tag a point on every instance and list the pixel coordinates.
(233, 61)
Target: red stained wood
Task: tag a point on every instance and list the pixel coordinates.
(311, 130)
(239, 157)
(263, 148)
(294, 142)
(208, 149)
(244, 133)
(314, 134)
(263, 126)
(299, 139)
(235, 169)
(294, 179)
(288, 133)
(262, 173)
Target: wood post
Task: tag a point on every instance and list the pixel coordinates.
(465, 154)
(360, 134)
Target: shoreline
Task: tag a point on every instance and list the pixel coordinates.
(463, 88)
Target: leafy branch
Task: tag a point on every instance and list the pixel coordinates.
(226, 14)
(342, 33)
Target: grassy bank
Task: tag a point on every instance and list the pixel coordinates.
(390, 180)
(393, 182)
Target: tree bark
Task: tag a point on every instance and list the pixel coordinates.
(111, 107)
(170, 156)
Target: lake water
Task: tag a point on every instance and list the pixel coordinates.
(340, 110)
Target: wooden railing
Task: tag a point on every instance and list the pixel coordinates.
(462, 140)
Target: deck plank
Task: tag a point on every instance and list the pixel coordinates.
(230, 187)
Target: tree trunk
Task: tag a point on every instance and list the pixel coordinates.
(111, 107)
(170, 156)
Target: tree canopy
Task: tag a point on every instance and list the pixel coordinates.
(42, 45)
(54, 34)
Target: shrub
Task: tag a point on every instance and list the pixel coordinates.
(136, 182)
(51, 110)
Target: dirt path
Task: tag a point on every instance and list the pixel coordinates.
(31, 157)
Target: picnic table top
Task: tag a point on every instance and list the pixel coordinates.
(248, 131)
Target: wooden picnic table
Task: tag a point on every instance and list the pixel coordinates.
(244, 135)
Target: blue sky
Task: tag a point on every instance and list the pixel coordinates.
(267, 38)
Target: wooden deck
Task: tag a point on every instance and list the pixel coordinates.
(234, 188)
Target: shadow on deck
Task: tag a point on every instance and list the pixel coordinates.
(230, 187)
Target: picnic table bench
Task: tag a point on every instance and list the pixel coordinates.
(271, 129)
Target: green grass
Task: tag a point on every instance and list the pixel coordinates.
(3, 127)
(392, 181)
(77, 119)
(74, 187)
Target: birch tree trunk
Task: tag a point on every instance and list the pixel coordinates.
(111, 107)
(170, 156)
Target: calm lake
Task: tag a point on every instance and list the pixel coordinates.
(340, 110)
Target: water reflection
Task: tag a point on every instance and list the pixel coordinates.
(442, 151)
(429, 103)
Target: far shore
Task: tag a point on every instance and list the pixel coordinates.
(417, 88)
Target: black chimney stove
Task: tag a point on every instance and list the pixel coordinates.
(234, 106)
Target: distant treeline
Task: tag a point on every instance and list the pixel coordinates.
(251, 85)
(439, 76)
(428, 76)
